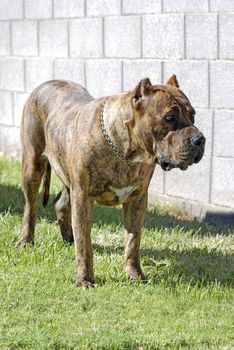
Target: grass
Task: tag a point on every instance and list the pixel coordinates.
(187, 304)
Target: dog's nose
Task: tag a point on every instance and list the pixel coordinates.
(198, 140)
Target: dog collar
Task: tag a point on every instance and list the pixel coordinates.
(108, 139)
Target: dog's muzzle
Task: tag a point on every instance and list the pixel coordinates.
(193, 154)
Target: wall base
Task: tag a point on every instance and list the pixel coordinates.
(201, 211)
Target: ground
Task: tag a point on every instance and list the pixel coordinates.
(188, 302)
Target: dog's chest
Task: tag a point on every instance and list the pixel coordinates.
(123, 193)
(113, 195)
(123, 186)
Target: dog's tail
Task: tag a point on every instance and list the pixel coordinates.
(46, 185)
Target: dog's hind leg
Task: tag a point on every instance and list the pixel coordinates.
(33, 167)
(63, 212)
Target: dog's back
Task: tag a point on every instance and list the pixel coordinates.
(51, 96)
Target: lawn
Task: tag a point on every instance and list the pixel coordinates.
(188, 302)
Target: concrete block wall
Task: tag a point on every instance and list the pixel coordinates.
(108, 45)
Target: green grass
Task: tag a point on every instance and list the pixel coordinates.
(187, 304)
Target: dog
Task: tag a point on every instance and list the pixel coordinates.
(104, 151)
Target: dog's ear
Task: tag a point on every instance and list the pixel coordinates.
(173, 81)
(143, 88)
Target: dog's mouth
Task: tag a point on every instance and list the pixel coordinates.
(167, 166)
(182, 164)
(180, 158)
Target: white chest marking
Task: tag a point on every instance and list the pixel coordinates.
(122, 193)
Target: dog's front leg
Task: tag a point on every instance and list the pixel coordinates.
(134, 216)
(82, 210)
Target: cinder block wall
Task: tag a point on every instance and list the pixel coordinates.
(108, 45)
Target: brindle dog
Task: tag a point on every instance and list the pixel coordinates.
(104, 150)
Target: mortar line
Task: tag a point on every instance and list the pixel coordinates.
(135, 58)
(10, 33)
(24, 65)
(12, 108)
(127, 15)
(68, 39)
(185, 38)
(52, 8)
(218, 46)
(53, 69)
(23, 9)
(208, 77)
(162, 75)
(85, 8)
(103, 37)
(122, 75)
(141, 35)
(211, 157)
(85, 74)
(38, 38)
(10, 126)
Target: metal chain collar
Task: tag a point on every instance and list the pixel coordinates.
(108, 139)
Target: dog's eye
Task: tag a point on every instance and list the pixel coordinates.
(171, 118)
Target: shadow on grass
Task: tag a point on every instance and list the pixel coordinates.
(196, 266)
(12, 200)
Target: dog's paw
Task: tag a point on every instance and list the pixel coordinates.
(23, 241)
(136, 275)
(86, 284)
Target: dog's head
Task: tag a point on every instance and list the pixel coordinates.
(163, 124)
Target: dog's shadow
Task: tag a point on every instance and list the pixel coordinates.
(194, 265)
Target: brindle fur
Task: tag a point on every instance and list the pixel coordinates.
(61, 128)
